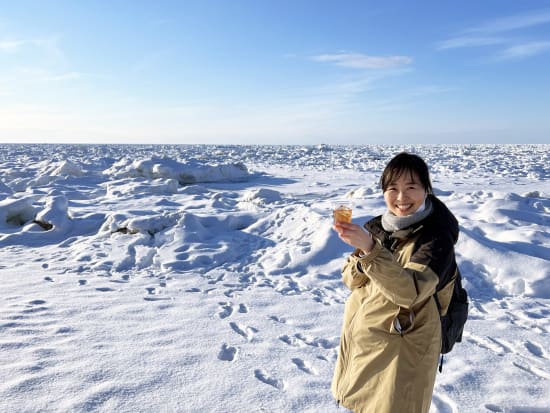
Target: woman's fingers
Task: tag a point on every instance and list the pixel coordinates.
(349, 233)
(354, 235)
(344, 226)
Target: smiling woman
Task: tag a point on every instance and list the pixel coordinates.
(406, 184)
(405, 195)
(391, 335)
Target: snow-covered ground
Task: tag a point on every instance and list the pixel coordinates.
(206, 278)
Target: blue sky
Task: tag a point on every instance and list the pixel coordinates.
(275, 72)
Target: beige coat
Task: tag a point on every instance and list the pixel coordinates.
(391, 335)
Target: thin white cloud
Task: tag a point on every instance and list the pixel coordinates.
(47, 48)
(470, 41)
(65, 76)
(10, 45)
(363, 61)
(502, 32)
(509, 23)
(44, 75)
(525, 50)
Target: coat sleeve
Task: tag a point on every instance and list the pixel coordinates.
(352, 276)
(414, 282)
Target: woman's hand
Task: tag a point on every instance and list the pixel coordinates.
(355, 236)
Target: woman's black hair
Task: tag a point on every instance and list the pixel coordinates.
(406, 163)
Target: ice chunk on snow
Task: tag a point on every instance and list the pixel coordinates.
(145, 225)
(155, 186)
(262, 196)
(16, 212)
(184, 173)
(67, 168)
(49, 173)
(55, 215)
(360, 192)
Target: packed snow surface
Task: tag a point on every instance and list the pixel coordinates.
(207, 278)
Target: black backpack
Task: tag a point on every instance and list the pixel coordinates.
(452, 323)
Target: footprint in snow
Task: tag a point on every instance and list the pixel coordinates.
(490, 344)
(534, 349)
(153, 295)
(302, 365)
(156, 298)
(506, 347)
(318, 342)
(299, 340)
(442, 405)
(265, 378)
(227, 353)
(283, 261)
(246, 332)
(118, 281)
(35, 306)
(535, 371)
(291, 287)
(64, 330)
(229, 293)
(305, 249)
(216, 280)
(226, 309)
(291, 341)
(247, 279)
(277, 319)
(516, 409)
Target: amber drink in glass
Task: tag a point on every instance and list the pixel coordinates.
(342, 211)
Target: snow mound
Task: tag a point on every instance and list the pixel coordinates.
(262, 196)
(122, 188)
(48, 173)
(361, 192)
(121, 223)
(184, 173)
(55, 215)
(16, 212)
(67, 168)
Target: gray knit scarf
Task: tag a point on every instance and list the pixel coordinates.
(391, 222)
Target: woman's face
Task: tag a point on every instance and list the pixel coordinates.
(405, 195)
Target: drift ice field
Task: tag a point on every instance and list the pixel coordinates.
(207, 278)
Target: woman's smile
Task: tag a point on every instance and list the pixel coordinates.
(404, 208)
